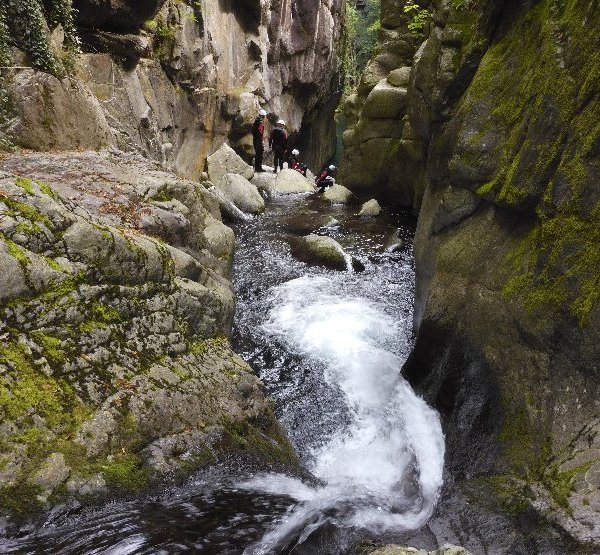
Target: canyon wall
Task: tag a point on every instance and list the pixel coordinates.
(174, 80)
(502, 113)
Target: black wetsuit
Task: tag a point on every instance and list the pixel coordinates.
(278, 142)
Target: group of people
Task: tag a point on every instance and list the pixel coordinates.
(278, 143)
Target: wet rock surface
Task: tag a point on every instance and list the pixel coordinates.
(338, 194)
(317, 249)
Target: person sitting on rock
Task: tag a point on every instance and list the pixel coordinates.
(278, 141)
(325, 184)
(295, 163)
(258, 139)
(325, 174)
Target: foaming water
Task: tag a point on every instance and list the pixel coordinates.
(383, 470)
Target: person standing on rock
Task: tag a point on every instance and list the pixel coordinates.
(258, 138)
(278, 141)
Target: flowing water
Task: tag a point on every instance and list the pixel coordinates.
(329, 347)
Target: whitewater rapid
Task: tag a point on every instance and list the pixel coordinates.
(382, 470)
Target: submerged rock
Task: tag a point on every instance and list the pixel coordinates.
(370, 208)
(397, 550)
(309, 222)
(241, 193)
(394, 242)
(338, 194)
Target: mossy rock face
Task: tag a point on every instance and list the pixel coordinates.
(507, 252)
(115, 367)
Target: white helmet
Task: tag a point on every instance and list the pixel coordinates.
(281, 122)
(332, 168)
(262, 113)
(295, 152)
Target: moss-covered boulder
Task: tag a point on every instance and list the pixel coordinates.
(115, 364)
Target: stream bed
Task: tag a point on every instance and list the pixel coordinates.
(329, 347)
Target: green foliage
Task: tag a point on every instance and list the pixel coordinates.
(4, 39)
(26, 24)
(362, 31)
(420, 18)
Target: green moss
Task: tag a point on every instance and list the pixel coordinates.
(27, 211)
(513, 493)
(52, 347)
(101, 312)
(127, 473)
(21, 499)
(47, 190)
(53, 264)
(530, 82)
(560, 483)
(28, 228)
(557, 264)
(26, 185)
(162, 195)
(19, 254)
(26, 390)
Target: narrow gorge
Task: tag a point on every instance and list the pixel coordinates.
(199, 357)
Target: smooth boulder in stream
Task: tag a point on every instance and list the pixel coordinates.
(285, 182)
(371, 208)
(323, 251)
(241, 193)
(225, 161)
(338, 194)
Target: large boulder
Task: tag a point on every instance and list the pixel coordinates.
(385, 101)
(241, 193)
(399, 77)
(322, 251)
(224, 161)
(290, 181)
(338, 194)
(114, 314)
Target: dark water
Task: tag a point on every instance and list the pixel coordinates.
(328, 346)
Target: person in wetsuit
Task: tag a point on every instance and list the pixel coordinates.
(258, 140)
(326, 179)
(295, 163)
(278, 141)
